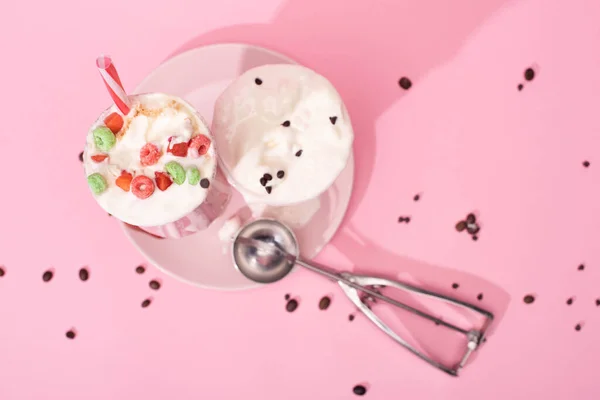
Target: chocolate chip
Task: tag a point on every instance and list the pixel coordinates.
(70, 334)
(268, 177)
(597, 302)
(416, 198)
(529, 74)
(475, 238)
(359, 390)
(204, 183)
(586, 164)
(351, 317)
(84, 275)
(2, 272)
(269, 189)
(400, 219)
(324, 303)
(154, 284)
(258, 81)
(471, 218)
(520, 87)
(146, 303)
(455, 286)
(333, 119)
(480, 296)
(405, 83)
(569, 301)
(286, 123)
(81, 156)
(578, 327)
(263, 181)
(140, 269)
(528, 299)
(581, 267)
(47, 276)
(291, 305)
(280, 174)
(287, 296)
(407, 219)
(298, 153)
(461, 226)
(472, 228)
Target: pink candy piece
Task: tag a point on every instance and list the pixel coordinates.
(142, 186)
(200, 143)
(149, 154)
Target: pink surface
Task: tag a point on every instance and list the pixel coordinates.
(463, 136)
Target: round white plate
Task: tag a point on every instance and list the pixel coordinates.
(199, 76)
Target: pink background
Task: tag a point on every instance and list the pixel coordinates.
(463, 136)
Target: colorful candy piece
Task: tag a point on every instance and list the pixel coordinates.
(149, 154)
(201, 143)
(114, 122)
(104, 138)
(142, 187)
(178, 149)
(176, 171)
(163, 181)
(193, 176)
(99, 157)
(124, 181)
(97, 183)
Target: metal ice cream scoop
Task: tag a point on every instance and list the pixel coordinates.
(265, 251)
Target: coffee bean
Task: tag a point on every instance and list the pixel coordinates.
(529, 74)
(298, 153)
(351, 317)
(146, 303)
(475, 237)
(286, 123)
(581, 267)
(204, 183)
(455, 286)
(407, 219)
(480, 296)
(287, 296)
(324, 303)
(405, 83)
(586, 164)
(416, 198)
(47, 276)
(569, 301)
(263, 181)
(140, 269)
(70, 334)
(520, 87)
(154, 284)
(268, 177)
(258, 81)
(400, 219)
(2, 272)
(291, 305)
(269, 189)
(471, 218)
(597, 302)
(333, 119)
(81, 156)
(280, 174)
(461, 226)
(359, 390)
(84, 275)
(578, 327)
(528, 299)
(472, 228)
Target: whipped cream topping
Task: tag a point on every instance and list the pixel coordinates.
(283, 134)
(158, 119)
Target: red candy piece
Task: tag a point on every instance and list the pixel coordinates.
(142, 186)
(124, 181)
(178, 149)
(163, 181)
(200, 143)
(114, 122)
(149, 154)
(99, 157)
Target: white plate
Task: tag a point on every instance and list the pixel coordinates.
(199, 76)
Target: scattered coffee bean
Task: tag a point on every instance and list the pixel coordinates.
(287, 296)
(291, 305)
(140, 269)
(461, 226)
(359, 390)
(417, 197)
(472, 228)
(333, 120)
(520, 87)
(263, 181)
(2, 272)
(351, 317)
(405, 83)
(47, 276)
(581, 267)
(586, 164)
(84, 274)
(269, 189)
(471, 218)
(146, 303)
(298, 153)
(280, 174)
(268, 177)
(70, 334)
(400, 219)
(154, 284)
(81, 156)
(597, 302)
(569, 301)
(475, 237)
(286, 123)
(204, 183)
(455, 286)
(578, 327)
(324, 303)
(529, 74)
(480, 296)
(528, 299)
(258, 81)
(407, 219)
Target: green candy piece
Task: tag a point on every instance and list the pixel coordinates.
(97, 183)
(104, 138)
(193, 176)
(176, 171)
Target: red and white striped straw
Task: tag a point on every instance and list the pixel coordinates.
(113, 83)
